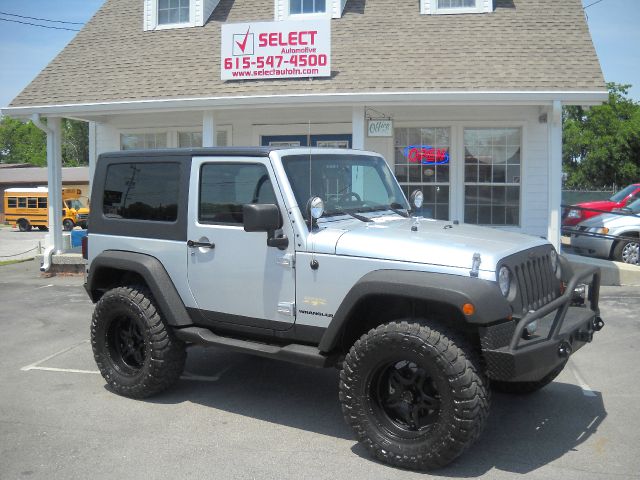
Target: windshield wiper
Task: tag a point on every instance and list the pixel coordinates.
(362, 218)
(394, 207)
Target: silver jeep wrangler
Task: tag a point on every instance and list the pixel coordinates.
(315, 256)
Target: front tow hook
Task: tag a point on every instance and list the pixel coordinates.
(565, 349)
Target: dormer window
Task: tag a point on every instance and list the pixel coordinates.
(173, 12)
(168, 14)
(305, 7)
(445, 7)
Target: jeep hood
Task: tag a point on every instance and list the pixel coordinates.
(435, 242)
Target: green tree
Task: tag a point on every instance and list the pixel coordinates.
(75, 143)
(23, 142)
(601, 145)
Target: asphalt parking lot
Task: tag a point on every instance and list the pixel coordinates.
(237, 416)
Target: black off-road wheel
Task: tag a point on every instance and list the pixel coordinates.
(137, 354)
(414, 395)
(525, 388)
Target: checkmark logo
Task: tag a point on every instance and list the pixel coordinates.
(243, 43)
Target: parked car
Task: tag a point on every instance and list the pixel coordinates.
(599, 238)
(580, 211)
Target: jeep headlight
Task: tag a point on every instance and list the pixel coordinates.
(504, 280)
(574, 213)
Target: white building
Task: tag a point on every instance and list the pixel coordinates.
(474, 89)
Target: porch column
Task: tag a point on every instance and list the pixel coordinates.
(357, 127)
(93, 153)
(555, 173)
(54, 180)
(209, 137)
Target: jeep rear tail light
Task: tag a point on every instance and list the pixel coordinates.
(85, 247)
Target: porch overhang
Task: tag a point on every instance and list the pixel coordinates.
(453, 98)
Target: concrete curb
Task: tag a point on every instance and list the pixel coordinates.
(613, 273)
(64, 263)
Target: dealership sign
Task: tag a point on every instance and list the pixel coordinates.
(262, 50)
(380, 128)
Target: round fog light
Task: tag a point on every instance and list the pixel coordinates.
(530, 330)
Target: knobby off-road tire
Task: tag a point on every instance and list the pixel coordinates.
(414, 394)
(137, 354)
(524, 388)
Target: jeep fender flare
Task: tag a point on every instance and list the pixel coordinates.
(454, 290)
(155, 276)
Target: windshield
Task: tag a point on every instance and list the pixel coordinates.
(76, 204)
(346, 183)
(622, 194)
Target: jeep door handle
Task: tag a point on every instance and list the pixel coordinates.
(192, 244)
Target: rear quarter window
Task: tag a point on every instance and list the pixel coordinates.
(142, 191)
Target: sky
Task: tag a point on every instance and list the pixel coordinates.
(25, 49)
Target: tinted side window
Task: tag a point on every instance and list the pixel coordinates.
(12, 202)
(225, 187)
(142, 191)
(22, 202)
(42, 202)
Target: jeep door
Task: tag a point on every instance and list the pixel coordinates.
(234, 276)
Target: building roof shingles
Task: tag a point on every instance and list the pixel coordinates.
(377, 46)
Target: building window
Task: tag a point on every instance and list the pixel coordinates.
(422, 163)
(142, 191)
(297, 7)
(189, 139)
(140, 141)
(194, 139)
(173, 11)
(456, 4)
(492, 167)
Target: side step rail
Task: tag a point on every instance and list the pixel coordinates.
(295, 353)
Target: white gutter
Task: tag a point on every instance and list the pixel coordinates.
(54, 181)
(325, 99)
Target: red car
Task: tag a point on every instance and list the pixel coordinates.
(572, 216)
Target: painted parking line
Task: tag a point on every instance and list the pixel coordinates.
(38, 366)
(35, 365)
(587, 391)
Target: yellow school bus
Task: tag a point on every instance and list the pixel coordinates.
(28, 207)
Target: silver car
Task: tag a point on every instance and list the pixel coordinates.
(613, 235)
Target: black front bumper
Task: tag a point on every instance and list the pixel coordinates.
(510, 357)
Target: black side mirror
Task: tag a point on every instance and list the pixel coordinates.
(265, 218)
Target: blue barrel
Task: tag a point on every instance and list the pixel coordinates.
(76, 237)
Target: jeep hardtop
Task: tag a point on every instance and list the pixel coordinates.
(315, 256)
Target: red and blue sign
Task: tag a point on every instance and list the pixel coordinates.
(426, 155)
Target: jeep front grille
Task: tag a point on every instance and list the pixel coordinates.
(536, 282)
